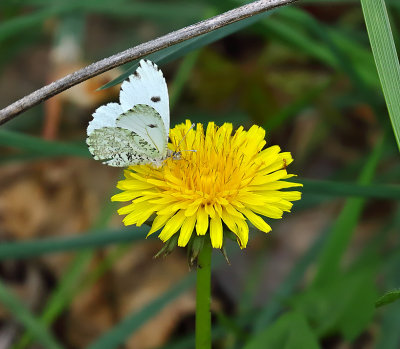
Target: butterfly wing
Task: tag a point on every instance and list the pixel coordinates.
(147, 86)
(145, 122)
(117, 146)
(105, 116)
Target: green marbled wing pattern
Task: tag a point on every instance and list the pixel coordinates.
(120, 147)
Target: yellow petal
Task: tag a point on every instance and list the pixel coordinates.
(275, 186)
(202, 221)
(133, 184)
(186, 231)
(257, 221)
(172, 226)
(159, 222)
(267, 210)
(192, 208)
(229, 221)
(216, 232)
(233, 212)
(210, 210)
(127, 195)
(242, 233)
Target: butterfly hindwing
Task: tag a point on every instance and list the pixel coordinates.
(144, 121)
(146, 86)
(117, 146)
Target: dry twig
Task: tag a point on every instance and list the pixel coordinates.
(136, 52)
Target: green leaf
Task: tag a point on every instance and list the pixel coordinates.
(173, 52)
(290, 331)
(25, 317)
(385, 55)
(388, 297)
(360, 311)
(288, 286)
(389, 334)
(119, 333)
(344, 304)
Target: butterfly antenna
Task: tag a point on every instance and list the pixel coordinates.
(180, 142)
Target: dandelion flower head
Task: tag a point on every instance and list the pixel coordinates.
(228, 181)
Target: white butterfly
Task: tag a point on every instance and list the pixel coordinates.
(135, 131)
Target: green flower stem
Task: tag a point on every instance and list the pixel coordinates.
(203, 298)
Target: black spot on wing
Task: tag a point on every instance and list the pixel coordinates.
(155, 99)
(152, 126)
(136, 74)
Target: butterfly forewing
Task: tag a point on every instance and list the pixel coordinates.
(147, 86)
(145, 122)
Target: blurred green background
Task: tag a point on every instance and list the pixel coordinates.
(72, 277)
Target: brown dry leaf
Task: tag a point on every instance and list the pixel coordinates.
(135, 280)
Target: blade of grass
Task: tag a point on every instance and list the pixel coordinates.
(385, 55)
(182, 76)
(89, 240)
(334, 188)
(119, 333)
(36, 145)
(105, 265)
(329, 263)
(39, 332)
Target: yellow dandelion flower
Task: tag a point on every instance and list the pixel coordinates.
(229, 179)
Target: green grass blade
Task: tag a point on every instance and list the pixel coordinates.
(98, 238)
(181, 77)
(25, 317)
(36, 145)
(119, 333)
(334, 188)
(385, 55)
(341, 233)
